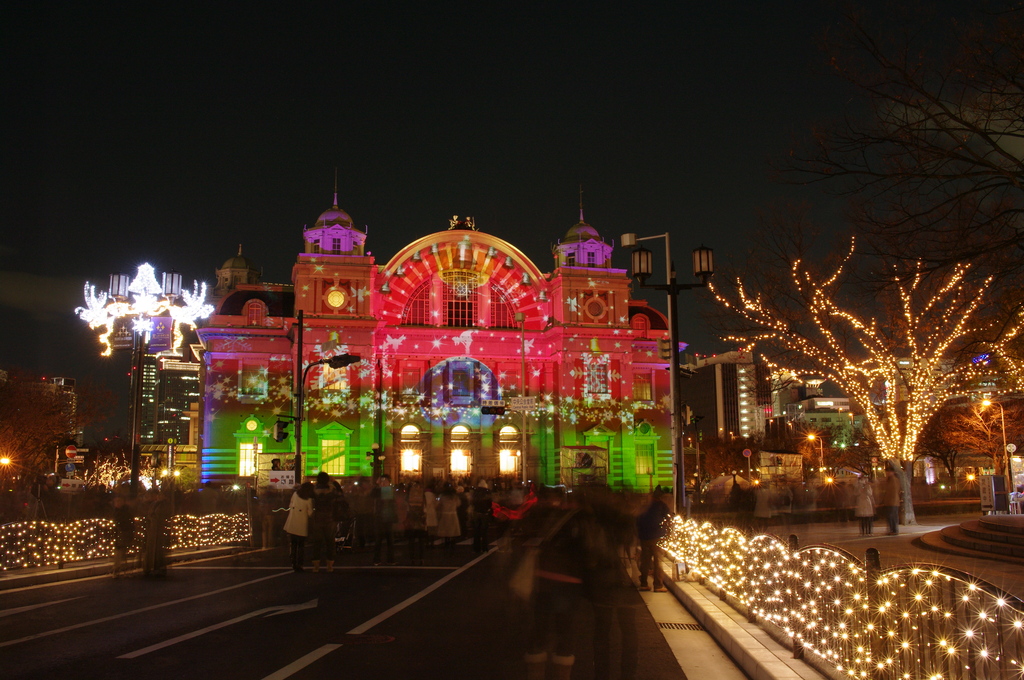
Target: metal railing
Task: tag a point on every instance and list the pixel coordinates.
(39, 543)
(857, 620)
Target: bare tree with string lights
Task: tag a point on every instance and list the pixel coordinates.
(899, 353)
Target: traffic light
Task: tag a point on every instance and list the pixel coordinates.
(492, 410)
(280, 431)
(664, 348)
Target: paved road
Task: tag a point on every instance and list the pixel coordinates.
(248, 617)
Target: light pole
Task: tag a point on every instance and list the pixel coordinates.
(521, 318)
(821, 454)
(339, 361)
(157, 312)
(1006, 451)
(642, 268)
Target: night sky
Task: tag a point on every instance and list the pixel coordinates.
(134, 135)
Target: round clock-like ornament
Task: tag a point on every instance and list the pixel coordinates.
(336, 298)
(251, 425)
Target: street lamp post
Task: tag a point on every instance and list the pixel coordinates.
(642, 268)
(157, 311)
(821, 454)
(521, 318)
(1006, 450)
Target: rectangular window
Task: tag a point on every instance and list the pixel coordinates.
(507, 460)
(460, 460)
(252, 382)
(642, 390)
(597, 378)
(332, 456)
(411, 460)
(247, 457)
(334, 379)
(591, 259)
(645, 458)
(335, 245)
(460, 300)
(462, 382)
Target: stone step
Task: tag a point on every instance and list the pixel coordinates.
(933, 540)
(958, 537)
(988, 531)
(1006, 524)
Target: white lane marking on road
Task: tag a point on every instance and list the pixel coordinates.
(362, 628)
(269, 611)
(114, 617)
(18, 610)
(299, 664)
(362, 567)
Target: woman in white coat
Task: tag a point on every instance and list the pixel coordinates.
(864, 505)
(448, 526)
(300, 509)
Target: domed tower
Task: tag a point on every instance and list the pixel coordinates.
(236, 270)
(334, 233)
(583, 247)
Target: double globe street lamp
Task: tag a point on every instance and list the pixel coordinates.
(642, 267)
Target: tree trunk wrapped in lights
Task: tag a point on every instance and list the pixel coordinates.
(899, 353)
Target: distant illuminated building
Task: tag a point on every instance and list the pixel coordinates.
(730, 394)
(440, 326)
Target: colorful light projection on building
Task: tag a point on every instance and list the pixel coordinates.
(153, 308)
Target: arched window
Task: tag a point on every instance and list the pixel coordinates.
(255, 312)
(641, 324)
(459, 439)
(417, 310)
(502, 314)
(460, 300)
(509, 448)
(410, 445)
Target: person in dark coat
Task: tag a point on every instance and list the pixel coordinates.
(481, 500)
(609, 537)
(650, 528)
(324, 523)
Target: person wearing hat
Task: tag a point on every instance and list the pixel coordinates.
(650, 528)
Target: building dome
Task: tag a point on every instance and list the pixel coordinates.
(333, 216)
(581, 231)
(239, 261)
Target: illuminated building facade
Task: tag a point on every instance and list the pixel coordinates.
(731, 394)
(448, 322)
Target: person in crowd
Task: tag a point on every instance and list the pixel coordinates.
(416, 523)
(362, 507)
(448, 527)
(481, 505)
(300, 509)
(650, 528)
(324, 522)
(864, 506)
(124, 533)
(609, 537)
(555, 531)
(762, 506)
(430, 510)
(384, 517)
(158, 511)
(275, 465)
(891, 501)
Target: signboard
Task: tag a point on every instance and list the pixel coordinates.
(281, 479)
(122, 336)
(492, 402)
(522, 403)
(72, 485)
(992, 489)
(161, 338)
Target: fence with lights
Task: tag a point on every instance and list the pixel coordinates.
(908, 622)
(41, 543)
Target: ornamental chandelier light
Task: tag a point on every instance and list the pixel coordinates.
(147, 303)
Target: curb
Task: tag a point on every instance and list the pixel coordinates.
(44, 575)
(751, 648)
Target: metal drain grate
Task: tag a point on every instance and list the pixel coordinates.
(681, 626)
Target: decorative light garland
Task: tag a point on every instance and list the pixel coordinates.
(40, 543)
(911, 622)
(911, 355)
